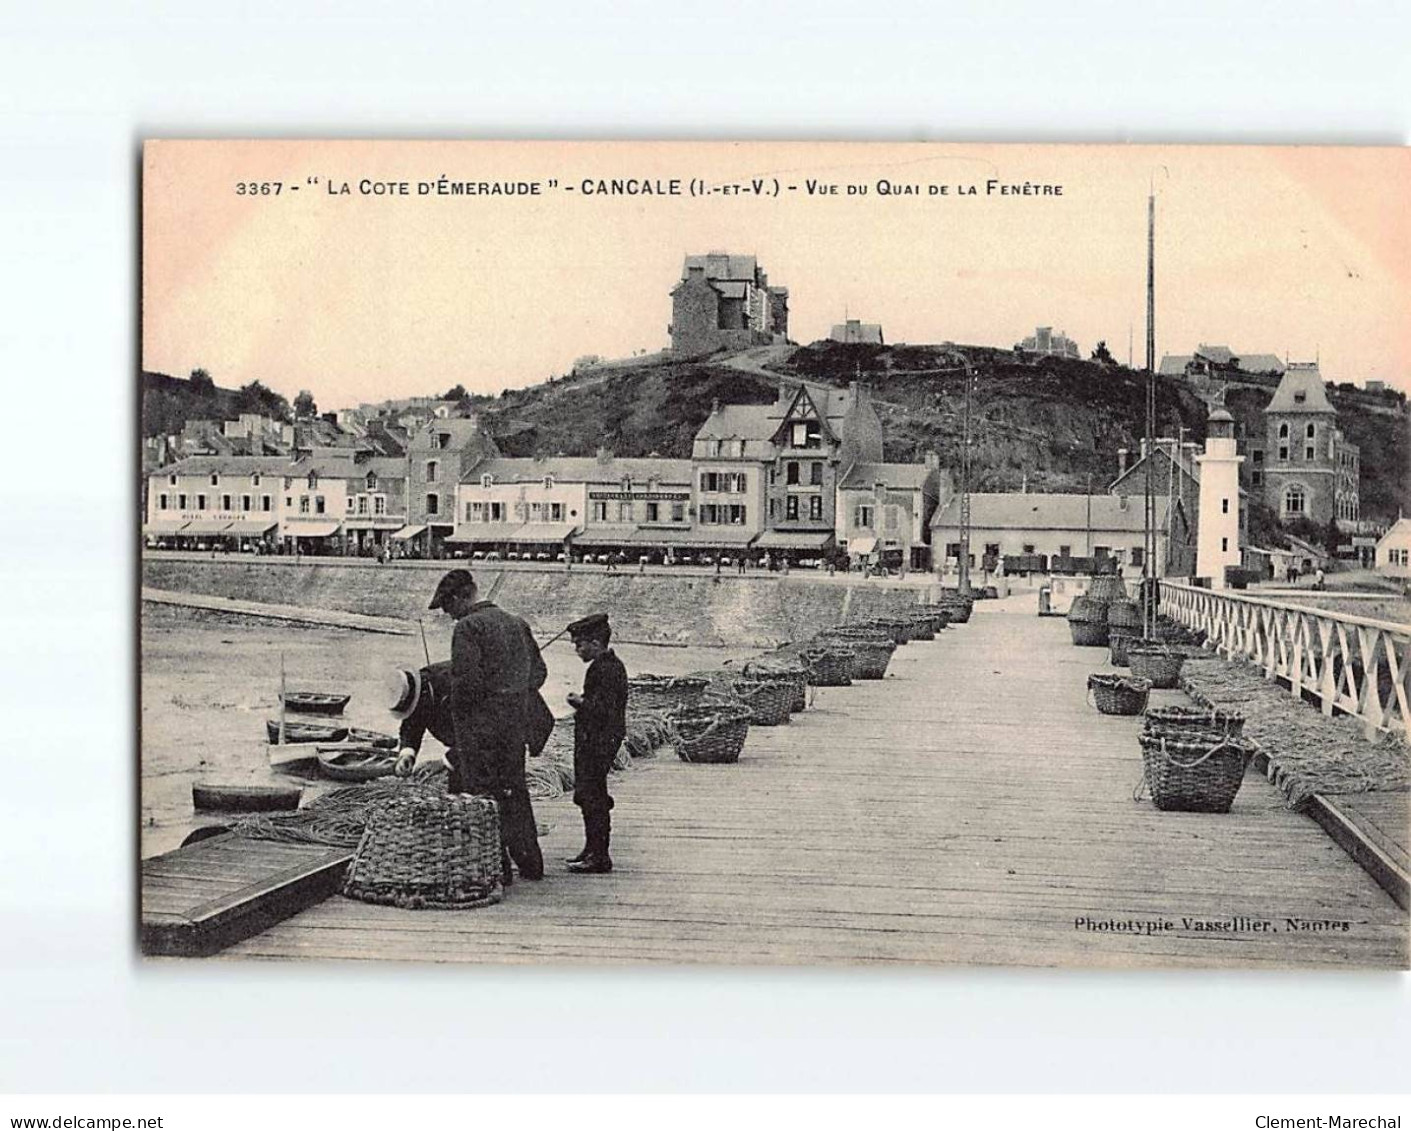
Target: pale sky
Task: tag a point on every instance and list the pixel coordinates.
(1292, 251)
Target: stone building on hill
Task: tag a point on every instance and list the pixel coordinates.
(854, 332)
(725, 301)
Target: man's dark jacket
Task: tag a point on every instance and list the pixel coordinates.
(599, 728)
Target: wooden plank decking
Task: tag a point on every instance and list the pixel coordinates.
(969, 809)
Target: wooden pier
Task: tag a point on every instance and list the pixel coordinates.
(969, 809)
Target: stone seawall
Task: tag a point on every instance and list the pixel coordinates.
(754, 610)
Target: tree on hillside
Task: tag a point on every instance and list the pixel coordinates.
(1102, 355)
(201, 382)
(304, 406)
(256, 398)
(455, 393)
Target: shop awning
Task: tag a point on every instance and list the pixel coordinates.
(205, 526)
(407, 533)
(794, 540)
(544, 532)
(312, 529)
(251, 527)
(863, 545)
(621, 537)
(480, 533)
(163, 529)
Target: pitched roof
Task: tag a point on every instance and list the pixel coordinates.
(729, 290)
(1301, 378)
(1261, 363)
(740, 422)
(580, 469)
(899, 476)
(741, 267)
(228, 465)
(1222, 355)
(1019, 511)
(1174, 364)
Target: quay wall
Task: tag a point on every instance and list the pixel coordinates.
(753, 610)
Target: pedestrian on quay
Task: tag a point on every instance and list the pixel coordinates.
(496, 674)
(599, 728)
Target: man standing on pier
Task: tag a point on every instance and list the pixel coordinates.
(599, 728)
(496, 672)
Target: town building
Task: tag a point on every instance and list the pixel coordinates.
(1062, 526)
(854, 332)
(1393, 557)
(1045, 342)
(210, 501)
(439, 455)
(725, 301)
(884, 512)
(1305, 467)
(1219, 362)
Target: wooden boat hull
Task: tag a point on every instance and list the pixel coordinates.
(297, 732)
(244, 797)
(356, 764)
(315, 702)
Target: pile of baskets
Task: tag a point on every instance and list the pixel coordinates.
(711, 732)
(663, 693)
(829, 664)
(1194, 760)
(1156, 662)
(871, 649)
(769, 698)
(1087, 621)
(1124, 628)
(1118, 694)
(429, 849)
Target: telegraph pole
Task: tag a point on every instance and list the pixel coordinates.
(1149, 516)
(965, 488)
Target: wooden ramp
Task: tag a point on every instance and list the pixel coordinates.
(201, 898)
(969, 809)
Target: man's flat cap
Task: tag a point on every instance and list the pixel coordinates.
(590, 625)
(456, 581)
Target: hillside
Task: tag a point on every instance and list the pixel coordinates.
(168, 402)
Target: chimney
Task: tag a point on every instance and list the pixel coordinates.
(1122, 502)
(1122, 454)
(695, 274)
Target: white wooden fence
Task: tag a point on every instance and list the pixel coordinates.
(1351, 663)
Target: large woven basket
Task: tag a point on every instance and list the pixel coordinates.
(1194, 776)
(1107, 587)
(1088, 633)
(1088, 609)
(898, 627)
(870, 657)
(922, 626)
(1193, 724)
(663, 692)
(711, 732)
(1155, 662)
(957, 606)
(1124, 614)
(770, 700)
(1119, 639)
(429, 849)
(1118, 695)
(829, 665)
(790, 668)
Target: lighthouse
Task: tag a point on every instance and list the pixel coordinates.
(1218, 524)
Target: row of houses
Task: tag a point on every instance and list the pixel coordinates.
(802, 478)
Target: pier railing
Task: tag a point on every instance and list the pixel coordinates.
(1350, 663)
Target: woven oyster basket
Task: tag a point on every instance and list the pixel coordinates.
(922, 627)
(1194, 775)
(770, 700)
(1087, 621)
(712, 733)
(1193, 723)
(829, 665)
(899, 628)
(1107, 587)
(783, 667)
(429, 850)
(1124, 614)
(870, 658)
(1155, 662)
(663, 692)
(1118, 694)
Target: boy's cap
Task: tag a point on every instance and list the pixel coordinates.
(590, 625)
(456, 581)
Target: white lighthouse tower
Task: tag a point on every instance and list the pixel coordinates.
(1218, 523)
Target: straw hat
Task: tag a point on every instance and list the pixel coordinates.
(403, 691)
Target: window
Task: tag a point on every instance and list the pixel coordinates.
(600, 512)
(181, 502)
(1224, 544)
(1063, 551)
(1257, 455)
(737, 514)
(678, 512)
(773, 475)
(555, 512)
(627, 485)
(1294, 499)
(225, 502)
(773, 510)
(800, 439)
(536, 512)
(215, 480)
(1299, 398)
(893, 518)
(350, 503)
(473, 512)
(991, 550)
(362, 504)
(791, 473)
(443, 439)
(1224, 506)
(255, 479)
(652, 512)
(497, 512)
(161, 502)
(713, 447)
(548, 483)
(953, 550)
(303, 504)
(433, 504)
(521, 512)
(815, 474)
(379, 504)
(708, 481)
(1311, 432)
(266, 503)
(487, 481)
(1284, 431)
(1138, 555)
(319, 507)
(624, 512)
(1283, 453)
(200, 502)
(171, 480)
(707, 514)
(1029, 546)
(791, 508)
(815, 508)
(244, 502)
(431, 470)
(862, 516)
(1308, 452)
(288, 500)
(313, 480)
(372, 481)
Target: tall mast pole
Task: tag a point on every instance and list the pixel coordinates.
(1149, 514)
(965, 488)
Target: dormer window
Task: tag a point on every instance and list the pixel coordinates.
(443, 440)
(171, 480)
(548, 483)
(627, 484)
(487, 481)
(313, 480)
(215, 480)
(1299, 398)
(372, 481)
(255, 479)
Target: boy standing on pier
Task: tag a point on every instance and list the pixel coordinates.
(599, 728)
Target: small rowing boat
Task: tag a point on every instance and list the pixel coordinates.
(299, 731)
(315, 702)
(244, 797)
(363, 737)
(355, 763)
